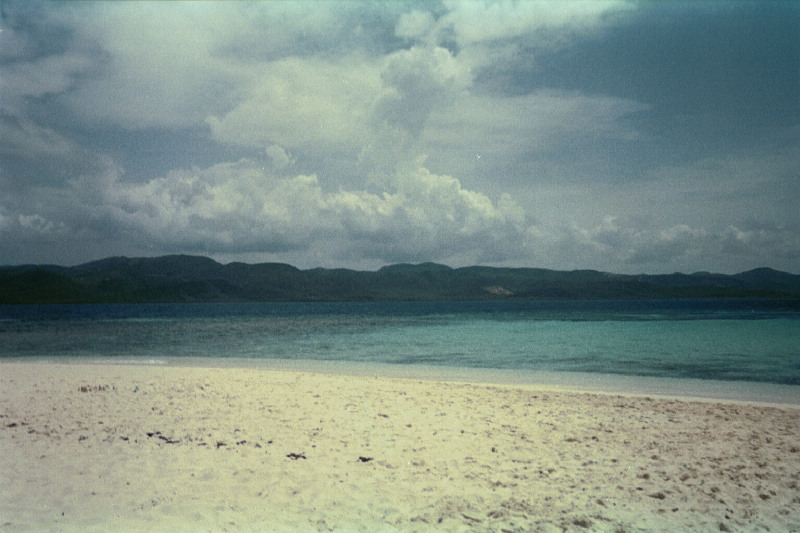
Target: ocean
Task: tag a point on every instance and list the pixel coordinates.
(742, 341)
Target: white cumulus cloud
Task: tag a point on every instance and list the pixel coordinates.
(243, 207)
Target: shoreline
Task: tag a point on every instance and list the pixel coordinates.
(690, 389)
(113, 448)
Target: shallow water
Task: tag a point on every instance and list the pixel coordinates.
(725, 340)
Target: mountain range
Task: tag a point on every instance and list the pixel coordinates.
(182, 278)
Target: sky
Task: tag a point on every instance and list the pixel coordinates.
(629, 137)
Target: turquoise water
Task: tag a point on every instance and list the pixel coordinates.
(731, 340)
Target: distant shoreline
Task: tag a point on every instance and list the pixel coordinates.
(185, 278)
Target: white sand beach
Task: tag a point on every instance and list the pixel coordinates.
(169, 449)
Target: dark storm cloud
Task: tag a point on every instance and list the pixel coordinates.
(714, 72)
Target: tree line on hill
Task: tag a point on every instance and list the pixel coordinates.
(181, 278)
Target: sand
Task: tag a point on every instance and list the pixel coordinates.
(154, 448)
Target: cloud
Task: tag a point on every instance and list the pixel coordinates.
(483, 33)
(247, 209)
(324, 83)
(414, 24)
(753, 175)
(279, 156)
(31, 154)
(175, 65)
(757, 242)
(13, 44)
(230, 207)
(476, 22)
(540, 121)
(311, 104)
(157, 65)
(637, 246)
(430, 216)
(419, 80)
(303, 103)
(243, 207)
(42, 76)
(371, 111)
(308, 130)
(675, 245)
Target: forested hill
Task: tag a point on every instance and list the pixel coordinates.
(180, 278)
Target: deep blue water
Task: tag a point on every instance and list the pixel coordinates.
(742, 340)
